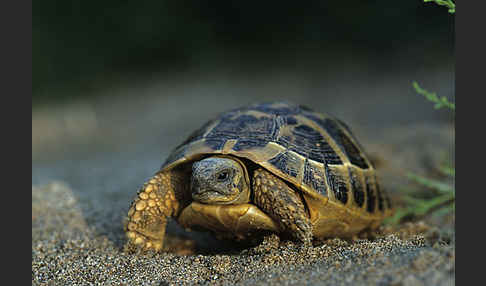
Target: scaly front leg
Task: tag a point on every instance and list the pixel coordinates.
(283, 204)
(159, 198)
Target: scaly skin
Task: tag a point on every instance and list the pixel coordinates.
(157, 200)
(283, 204)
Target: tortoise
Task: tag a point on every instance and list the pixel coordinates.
(272, 167)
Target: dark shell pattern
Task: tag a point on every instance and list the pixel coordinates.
(315, 152)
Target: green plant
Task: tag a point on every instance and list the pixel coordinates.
(432, 96)
(442, 200)
(448, 3)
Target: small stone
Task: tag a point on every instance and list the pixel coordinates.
(411, 280)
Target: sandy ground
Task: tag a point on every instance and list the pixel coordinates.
(90, 157)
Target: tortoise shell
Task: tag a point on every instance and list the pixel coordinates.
(314, 152)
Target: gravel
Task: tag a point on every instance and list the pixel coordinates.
(90, 157)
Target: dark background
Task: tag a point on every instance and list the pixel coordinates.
(82, 46)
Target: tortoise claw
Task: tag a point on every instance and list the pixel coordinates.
(138, 240)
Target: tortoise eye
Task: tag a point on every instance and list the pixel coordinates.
(223, 176)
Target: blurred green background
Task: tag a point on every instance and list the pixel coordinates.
(82, 46)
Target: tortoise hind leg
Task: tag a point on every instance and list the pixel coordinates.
(158, 199)
(283, 204)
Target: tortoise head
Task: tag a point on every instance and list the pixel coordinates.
(220, 180)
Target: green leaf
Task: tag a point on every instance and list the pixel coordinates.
(448, 3)
(432, 96)
(445, 210)
(421, 207)
(426, 205)
(448, 171)
(397, 217)
(433, 184)
(445, 202)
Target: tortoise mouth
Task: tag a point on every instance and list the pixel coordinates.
(213, 197)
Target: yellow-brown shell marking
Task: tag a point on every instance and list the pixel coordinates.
(315, 152)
